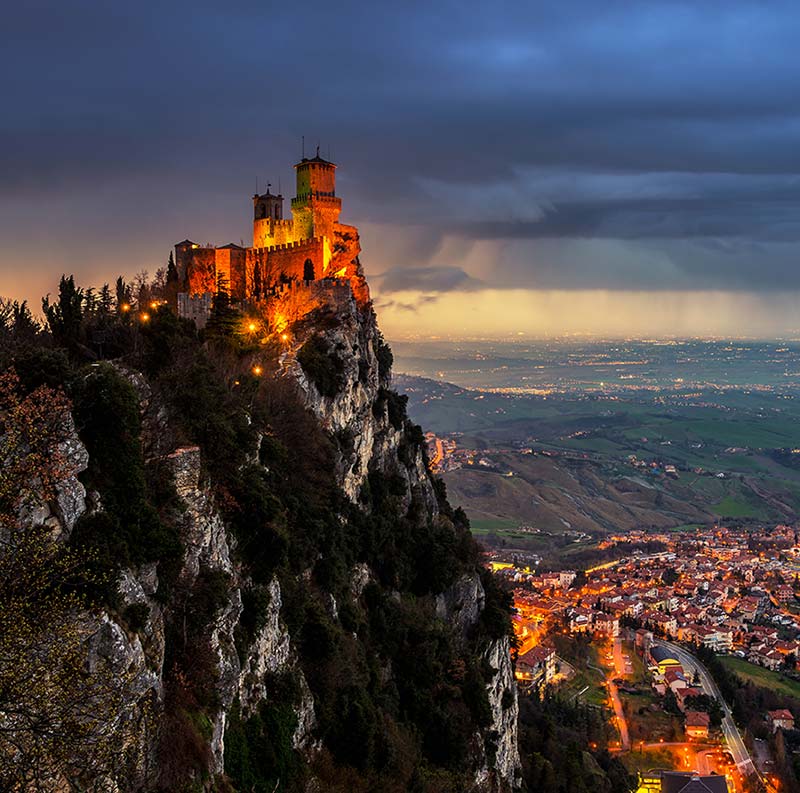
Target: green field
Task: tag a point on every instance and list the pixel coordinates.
(762, 677)
(731, 507)
(725, 445)
(499, 525)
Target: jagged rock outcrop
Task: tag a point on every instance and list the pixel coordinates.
(369, 439)
(357, 415)
(460, 606)
(60, 514)
(272, 652)
(505, 710)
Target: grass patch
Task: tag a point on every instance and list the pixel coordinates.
(650, 758)
(762, 677)
(732, 507)
(595, 693)
(499, 525)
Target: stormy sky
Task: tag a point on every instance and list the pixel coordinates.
(516, 167)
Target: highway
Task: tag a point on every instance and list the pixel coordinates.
(734, 740)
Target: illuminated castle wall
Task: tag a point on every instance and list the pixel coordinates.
(311, 246)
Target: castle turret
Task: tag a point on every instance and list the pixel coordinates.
(315, 208)
(269, 227)
(268, 206)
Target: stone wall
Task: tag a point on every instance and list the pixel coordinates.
(195, 307)
(284, 262)
(200, 266)
(268, 232)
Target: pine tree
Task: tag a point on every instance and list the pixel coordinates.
(172, 270)
(225, 320)
(64, 317)
(23, 325)
(123, 298)
(105, 300)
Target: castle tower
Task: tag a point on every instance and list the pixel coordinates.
(268, 206)
(315, 208)
(269, 227)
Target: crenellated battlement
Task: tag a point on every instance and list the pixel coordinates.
(293, 246)
(310, 257)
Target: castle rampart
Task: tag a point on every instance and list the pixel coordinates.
(312, 249)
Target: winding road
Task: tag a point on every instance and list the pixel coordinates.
(735, 743)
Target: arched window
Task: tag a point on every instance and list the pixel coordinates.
(308, 270)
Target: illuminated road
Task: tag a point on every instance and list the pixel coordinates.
(617, 670)
(735, 743)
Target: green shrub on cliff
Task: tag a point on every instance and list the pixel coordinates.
(322, 366)
(129, 529)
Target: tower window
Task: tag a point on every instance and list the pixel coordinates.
(308, 270)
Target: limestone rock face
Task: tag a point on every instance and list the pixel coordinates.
(272, 652)
(70, 493)
(61, 514)
(206, 545)
(358, 418)
(461, 606)
(505, 714)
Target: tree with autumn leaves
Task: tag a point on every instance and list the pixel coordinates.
(60, 717)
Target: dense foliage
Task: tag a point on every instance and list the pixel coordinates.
(399, 699)
(322, 365)
(555, 736)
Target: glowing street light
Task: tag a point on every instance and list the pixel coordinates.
(252, 327)
(145, 317)
(154, 305)
(125, 307)
(257, 370)
(284, 337)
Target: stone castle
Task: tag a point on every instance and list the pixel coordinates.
(294, 266)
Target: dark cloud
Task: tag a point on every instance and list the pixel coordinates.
(426, 279)
(618, 145)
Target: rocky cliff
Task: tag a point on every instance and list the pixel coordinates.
(320, 623)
